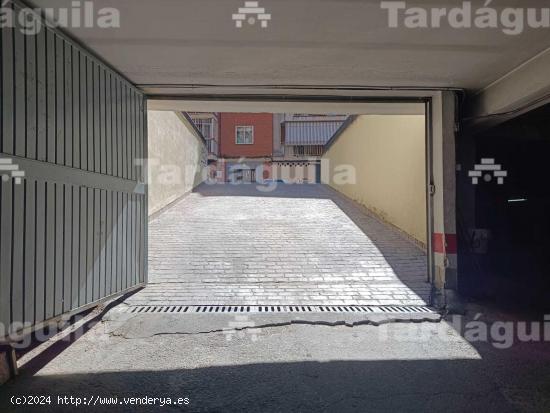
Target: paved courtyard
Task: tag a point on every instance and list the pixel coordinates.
(296, 245)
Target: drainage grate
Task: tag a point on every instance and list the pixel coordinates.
(224, 309)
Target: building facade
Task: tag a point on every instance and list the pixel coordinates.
(302, 141)
(285, 147)
(248, 135)
(246, 146)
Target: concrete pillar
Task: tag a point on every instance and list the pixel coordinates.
(444, 238)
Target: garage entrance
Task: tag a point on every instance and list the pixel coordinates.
(354, 234)
(74, 200)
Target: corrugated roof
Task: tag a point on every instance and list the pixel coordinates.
(310, 133)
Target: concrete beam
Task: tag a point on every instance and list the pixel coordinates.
(252, 106)
(523, 89)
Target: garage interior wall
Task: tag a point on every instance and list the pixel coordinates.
(177, 158)
(388, 154)
(73, 228)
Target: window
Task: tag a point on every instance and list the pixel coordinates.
(244, 135)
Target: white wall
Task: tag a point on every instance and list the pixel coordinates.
(177, 157)
(387, 154)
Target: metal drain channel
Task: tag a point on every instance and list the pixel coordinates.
(270, 309)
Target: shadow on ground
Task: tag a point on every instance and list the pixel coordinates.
(339, 386)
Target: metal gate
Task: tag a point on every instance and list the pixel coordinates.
(73, 213)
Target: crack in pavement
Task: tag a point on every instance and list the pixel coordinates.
(322, 323)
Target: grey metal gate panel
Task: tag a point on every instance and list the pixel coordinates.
(73, 229)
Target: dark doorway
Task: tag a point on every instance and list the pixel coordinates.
(506, 257)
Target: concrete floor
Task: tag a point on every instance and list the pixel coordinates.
(298, 244)
(281, 364)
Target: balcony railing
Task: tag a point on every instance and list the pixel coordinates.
(207, 126)
(212, 146)
(303, 150)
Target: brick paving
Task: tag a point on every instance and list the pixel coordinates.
(300, 244)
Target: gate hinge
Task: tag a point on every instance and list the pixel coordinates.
(432, 189)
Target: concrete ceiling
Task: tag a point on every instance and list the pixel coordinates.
(174, 46)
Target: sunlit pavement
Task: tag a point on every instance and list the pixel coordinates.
(298, 244)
